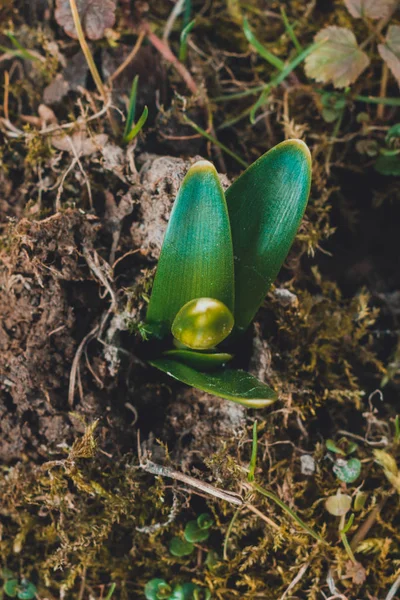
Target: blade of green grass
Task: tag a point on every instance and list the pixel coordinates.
(184, 33)
(216, 142)
(290, 31)
(130, 118)
(138, 127)
(287, 510)
(253, 459)
(262, 51)
(282, 76)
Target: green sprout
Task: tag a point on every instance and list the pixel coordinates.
(221, 253)
(159, 589)
(345, 470)
(24, 589)
(196, 531)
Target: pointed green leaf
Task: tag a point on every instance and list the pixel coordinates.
(196, 258)
(238, 386)
(202, 361)
(266, 205)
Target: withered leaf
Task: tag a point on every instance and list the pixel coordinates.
(390, 50)
(79, 143)
(356, 572)
(339, 60)
(95, 15)
(374, 9)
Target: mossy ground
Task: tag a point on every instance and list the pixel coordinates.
(78, 510)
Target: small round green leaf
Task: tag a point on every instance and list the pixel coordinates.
(338, 505)
(157, 589)
(194, 534)
(183, 592)
(180, 547)
(202, 323)
(27, 590)
(11, 588)
(205, 521)
(347, 470)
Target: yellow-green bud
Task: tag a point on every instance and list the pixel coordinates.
(202, 323)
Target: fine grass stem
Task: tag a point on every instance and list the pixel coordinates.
(253, 459)
(215, 141)
(184, 34)
(290, 31)
(288, 510)
(262, 51)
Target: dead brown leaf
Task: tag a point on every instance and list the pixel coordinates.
(79, 144)
(95, 15)
(356, 572)
(339, 60)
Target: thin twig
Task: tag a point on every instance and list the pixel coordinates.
(6, 94)
(296, 580)
(380, 111)
(82, 170)
(393, 590)
(165, 51)
(86, 51)
(159, 470)
(175, 12)
(128, 59)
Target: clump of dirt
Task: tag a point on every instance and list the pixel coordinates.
(39, 328)
(51, 309)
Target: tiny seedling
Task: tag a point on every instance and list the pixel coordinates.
(22, 589)
(132, 129)
(159, 589)
(345, 470)
(196, 531)
(220, 255)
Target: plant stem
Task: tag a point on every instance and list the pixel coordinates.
(86, 51)
(288, 510)
(380, 111)
(215, 141)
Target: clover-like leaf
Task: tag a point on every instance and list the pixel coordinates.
(205, 521)
(196, 259)
(347, 470)
(194, 534)
(179, 547)
(202, 361)
(238, 386)
(156, 589)
(339, 60)
(390, 50)
(95, 16)
(266, 205)
(373, 9)
(11, 588)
